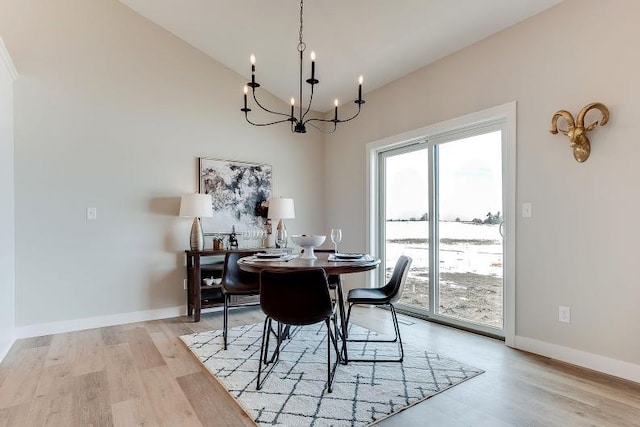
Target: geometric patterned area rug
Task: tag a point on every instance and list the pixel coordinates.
(296, 395)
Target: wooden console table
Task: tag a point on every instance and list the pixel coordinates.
(199, 295)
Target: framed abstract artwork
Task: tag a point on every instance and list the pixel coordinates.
(239, 192)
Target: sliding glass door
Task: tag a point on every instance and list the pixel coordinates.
(440, 203)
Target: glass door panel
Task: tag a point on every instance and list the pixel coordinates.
(406, 226)
(469, 284)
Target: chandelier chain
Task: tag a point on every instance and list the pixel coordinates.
(301, 45)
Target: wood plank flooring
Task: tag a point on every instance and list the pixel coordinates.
(142, 375)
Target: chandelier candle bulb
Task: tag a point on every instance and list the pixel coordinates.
(293, 103)
(360, 80)
(252, 58)
(313, 65)
(336, 110)
(246, 89)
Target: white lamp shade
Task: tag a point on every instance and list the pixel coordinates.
(281, 208)
(196, 205)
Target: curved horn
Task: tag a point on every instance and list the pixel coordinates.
(567, 116)
(598, 106)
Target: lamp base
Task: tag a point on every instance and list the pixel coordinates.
(197, 239)
(281, 235)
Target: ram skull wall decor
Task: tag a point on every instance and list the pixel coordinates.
(576, 130)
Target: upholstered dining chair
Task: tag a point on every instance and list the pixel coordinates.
(386, 295)
(295, 298)
(236, 282)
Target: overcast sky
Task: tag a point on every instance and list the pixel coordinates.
(470, 180)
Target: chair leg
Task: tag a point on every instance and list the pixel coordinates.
(268, 336)
(266, 331)
(328, 356)
(264, 351)
(397, 338)
(344, 322)
(349, 316)
(280, 336)
(345, 329)
(225, 319)
(331, 341)
(397, 327)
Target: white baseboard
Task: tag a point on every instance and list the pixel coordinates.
(4, 348)
(96, 322)
(607, 365)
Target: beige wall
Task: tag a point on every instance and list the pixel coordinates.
(580, 246)
(112, 112)
(7, 220)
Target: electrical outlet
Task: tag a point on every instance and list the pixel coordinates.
(184, 284)
(564, 314)
(92, 214)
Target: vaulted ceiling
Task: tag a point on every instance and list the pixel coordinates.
(382, 40)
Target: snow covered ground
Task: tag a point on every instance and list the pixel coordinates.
(470, 268)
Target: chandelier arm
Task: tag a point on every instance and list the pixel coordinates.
(246, 116)
(322, 130)
(332, 120)
(350, 118)
(335, 120)
(267, 110)
(313, 119)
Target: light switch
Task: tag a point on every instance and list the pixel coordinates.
(526, 210)
(92, 214)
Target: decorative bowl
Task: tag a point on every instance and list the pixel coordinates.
(308, 242)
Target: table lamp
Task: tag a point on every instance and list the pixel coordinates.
(196, 206)
(281, 208)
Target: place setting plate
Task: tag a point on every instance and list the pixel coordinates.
(271, 256)
(268, 255)
(347, 257)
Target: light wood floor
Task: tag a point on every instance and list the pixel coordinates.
(141, 374)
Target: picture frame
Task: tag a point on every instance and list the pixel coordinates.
(240, 191)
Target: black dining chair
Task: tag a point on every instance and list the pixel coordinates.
(295, 298)
(382, 296)
(236, 282)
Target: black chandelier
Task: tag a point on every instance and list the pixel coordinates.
(298, 124)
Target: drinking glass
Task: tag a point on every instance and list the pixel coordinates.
(336, 237)
(259, 238)
(256, 238)
(262, 237)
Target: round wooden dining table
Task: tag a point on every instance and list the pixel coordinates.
(256, 265)
(366, 263)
